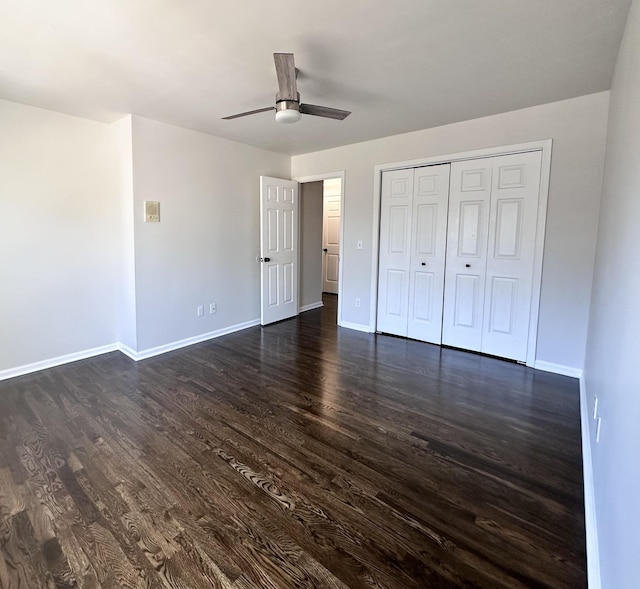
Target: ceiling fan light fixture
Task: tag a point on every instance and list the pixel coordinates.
(287, 111)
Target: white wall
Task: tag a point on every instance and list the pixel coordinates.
(59, 235)
(311, 203)
(204, 248)
(611, 370)
(68, 207)
(578, 130)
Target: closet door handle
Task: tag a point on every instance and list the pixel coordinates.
(467, 265)
(424, 263)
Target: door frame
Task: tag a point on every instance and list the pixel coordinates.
(329, 176)
(544, 146)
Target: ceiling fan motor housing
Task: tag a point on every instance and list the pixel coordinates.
(287, 111)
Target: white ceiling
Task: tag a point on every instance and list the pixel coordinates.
(399, 66)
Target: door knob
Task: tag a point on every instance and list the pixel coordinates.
(424, 263)
(265, 259)
(325, 250)
(467, 265)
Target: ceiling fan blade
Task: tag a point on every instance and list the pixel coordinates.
(324, 111)
(286, 72)
(250, 112)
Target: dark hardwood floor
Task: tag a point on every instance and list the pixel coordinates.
(297, 455)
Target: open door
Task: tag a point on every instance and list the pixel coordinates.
(278, 249)
(331, 237)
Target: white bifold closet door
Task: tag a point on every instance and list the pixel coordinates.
(413, 226)
(493, 208)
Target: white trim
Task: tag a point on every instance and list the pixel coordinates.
(127, 351)
(558, 368)
(466, 155)
(590, 520)
(131, 353)
(310, 307)
(355, 326)
(536, 283)
(329, 176)
(57, 361)
(545, 147)
(318, 177)
(196, 339)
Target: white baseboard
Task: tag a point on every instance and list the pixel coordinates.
(311, 306)
(558, 368)
(127, 351)
(590, 521)
(131, 353)
(149, 352)
(57, 361)
(356, 326)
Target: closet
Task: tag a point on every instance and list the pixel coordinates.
(412, 252)
(456, 259)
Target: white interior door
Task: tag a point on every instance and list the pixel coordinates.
(330, 243)
(428, 245)
(395, 253)
(466, 260)
(278, 249)
(510, 254)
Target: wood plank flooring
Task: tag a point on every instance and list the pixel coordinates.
(297, 455)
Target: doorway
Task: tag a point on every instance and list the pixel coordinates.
(320, 239)
(331, 215)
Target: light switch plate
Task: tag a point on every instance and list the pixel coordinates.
(151, 211)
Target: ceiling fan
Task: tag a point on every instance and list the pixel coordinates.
(288, 106)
